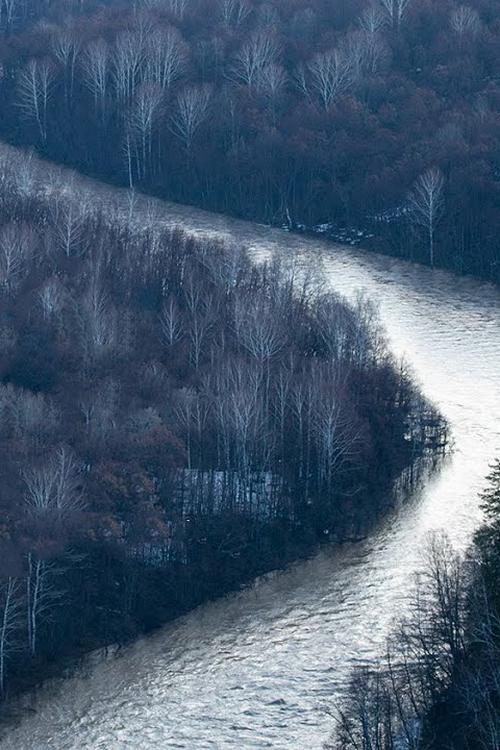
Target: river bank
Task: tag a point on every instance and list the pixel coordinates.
(205, 419)
(447, 328)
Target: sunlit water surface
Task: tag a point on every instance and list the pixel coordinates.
(261, 668)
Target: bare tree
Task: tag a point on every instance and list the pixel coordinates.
(144, 113)
(10, 619)
(69, 224)
(372, 19)
(261, 50)
(12, 9)
(426, 204)
(97, 319)
(465, 21)
(34, 85)
(165, 57)
(259, 330)
(41, 596)
(100, 412)
(171, 322)
(388, 705)
(191, 111)
(234, 12)
(271, 84)
(66, 47)
(128, 59)
(395, 11)
(54, 487)
(17, 244)
(33, 415)
(95, 65)
(201, 317)
(331, 74)
(52, 297)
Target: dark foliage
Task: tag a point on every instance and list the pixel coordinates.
(173, 420)
(324, 114)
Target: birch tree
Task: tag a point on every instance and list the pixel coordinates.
(41, 597)
(271, 85)
(10, 621)
(66, 48)
(261, 50)
(95, 65)
(165, 57)
(234, 12)
(395, 11)
(69, 223)
(426, 204)
(465, 21)
(171, 322)
(191, 111)
(128, 58)
(54, 487)
(17, 243)
(34, 85)
(331, 74)
(144, 113)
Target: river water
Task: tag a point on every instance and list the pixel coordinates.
(261, 669)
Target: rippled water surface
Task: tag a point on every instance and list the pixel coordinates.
(259, 669)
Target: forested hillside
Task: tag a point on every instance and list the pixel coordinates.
(373, 122)
(173, 420)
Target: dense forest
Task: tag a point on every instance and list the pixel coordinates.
(372, 122)
(439, 688)
(174, 420)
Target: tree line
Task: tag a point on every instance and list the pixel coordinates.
(439, 688)
(369, 120)
(174, 419)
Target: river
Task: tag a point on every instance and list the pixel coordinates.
(261, 668)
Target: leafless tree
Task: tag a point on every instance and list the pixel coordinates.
(128, 59)
(366, 52)
(33, 415)
(465, 21)
(10, 620)
(191, 111)
(426, 204)
(52, 297)
(177, 8)
(261, 50)
(165, 57)
(66, 47)
(17, 245)
(41, 596)
(395, 11)
(234, 12)
(144, 113)
(95, 65)
(54, 487)
(97, 318)
(171, 322)
(69, 223)
(372, 19)
(201, 310)
(387, 705)
(100, 412)
(259, 330)
(331, 74)
(12, 10)
(34, 85)
(271, 84)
